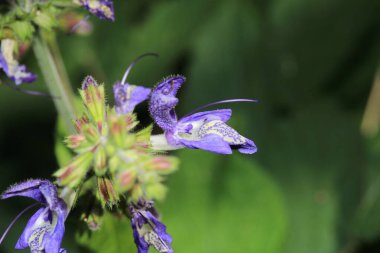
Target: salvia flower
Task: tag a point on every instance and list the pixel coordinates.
(127, 96)
(107, 147)
(45, 229)
(204, 130)
(103, 9)
(8, 62)
(147, 229)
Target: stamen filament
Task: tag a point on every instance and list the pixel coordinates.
(123, 81)
(223, 102)
(15, 219)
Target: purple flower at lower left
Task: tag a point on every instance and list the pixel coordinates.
(45, 229)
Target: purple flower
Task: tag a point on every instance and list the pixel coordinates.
(127, 96)
(147, 229)
(18, 73)
(44, 231)
(204, 130)
(103, 9)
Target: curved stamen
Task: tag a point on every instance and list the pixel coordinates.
(29, 92)
(15, 219)
(222, 102)
(77, 25)
(133, 64)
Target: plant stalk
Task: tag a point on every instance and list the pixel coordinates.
(55, 77)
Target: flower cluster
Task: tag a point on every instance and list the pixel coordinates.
(122, 165)
(107, 147)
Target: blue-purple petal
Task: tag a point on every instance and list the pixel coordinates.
(248, 148)
(16, 72)
(45, 229)
(28, 189)
(128, 96)
(22, 242)
(153, 234)
(53, 241)
(222, 115)
(212, 143)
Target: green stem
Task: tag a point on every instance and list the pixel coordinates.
(56, 79)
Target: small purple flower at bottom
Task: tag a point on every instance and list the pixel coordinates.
(148, 230)
(45, 229)
(204, 130)
(16, 72)
(103, 9)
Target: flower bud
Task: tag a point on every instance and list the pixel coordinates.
(125, 180)
(91, 133)
(163, 164)
(107, 193)
(79, 123)
(100, 165)
(75, 141)
(72, 174)
(117, 127)
(94, 100)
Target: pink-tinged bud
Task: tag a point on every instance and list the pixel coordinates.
(163, 164)
(107, 193)
(100, 165)
(79, 123)
(72, 174)
(75, 141)
(125, 180)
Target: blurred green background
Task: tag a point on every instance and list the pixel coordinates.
(313, 186)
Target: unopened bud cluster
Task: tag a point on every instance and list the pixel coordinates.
(111, 155)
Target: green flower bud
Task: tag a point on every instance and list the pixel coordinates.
(125, 180)
(76, 141)
(100, 165)
(72, 174)
(163, 164)
(94, 100)
(106, 192)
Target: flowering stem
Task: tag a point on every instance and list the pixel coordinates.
(55, 77)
